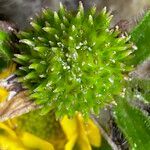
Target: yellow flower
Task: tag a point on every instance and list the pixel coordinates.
(80, 133)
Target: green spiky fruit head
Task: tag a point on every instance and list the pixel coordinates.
(73, 62)
(5, 53)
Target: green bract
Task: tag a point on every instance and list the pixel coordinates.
(45, 126)
(72, 61)
(5, 54)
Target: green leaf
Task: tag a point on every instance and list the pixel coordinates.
(45, 127)
(140, 36)
(5, 53)
(134, 124)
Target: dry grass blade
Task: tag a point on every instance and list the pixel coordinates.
(18, 105)
(17, 102)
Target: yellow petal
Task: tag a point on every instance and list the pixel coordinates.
(6, 72)
(11, 123)
(93, 133)
(71, 143)
(10, 144)
(69, 126)
(3, 94)
(34, 142)
(79, 132)
(83, 141)
(8, 130)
